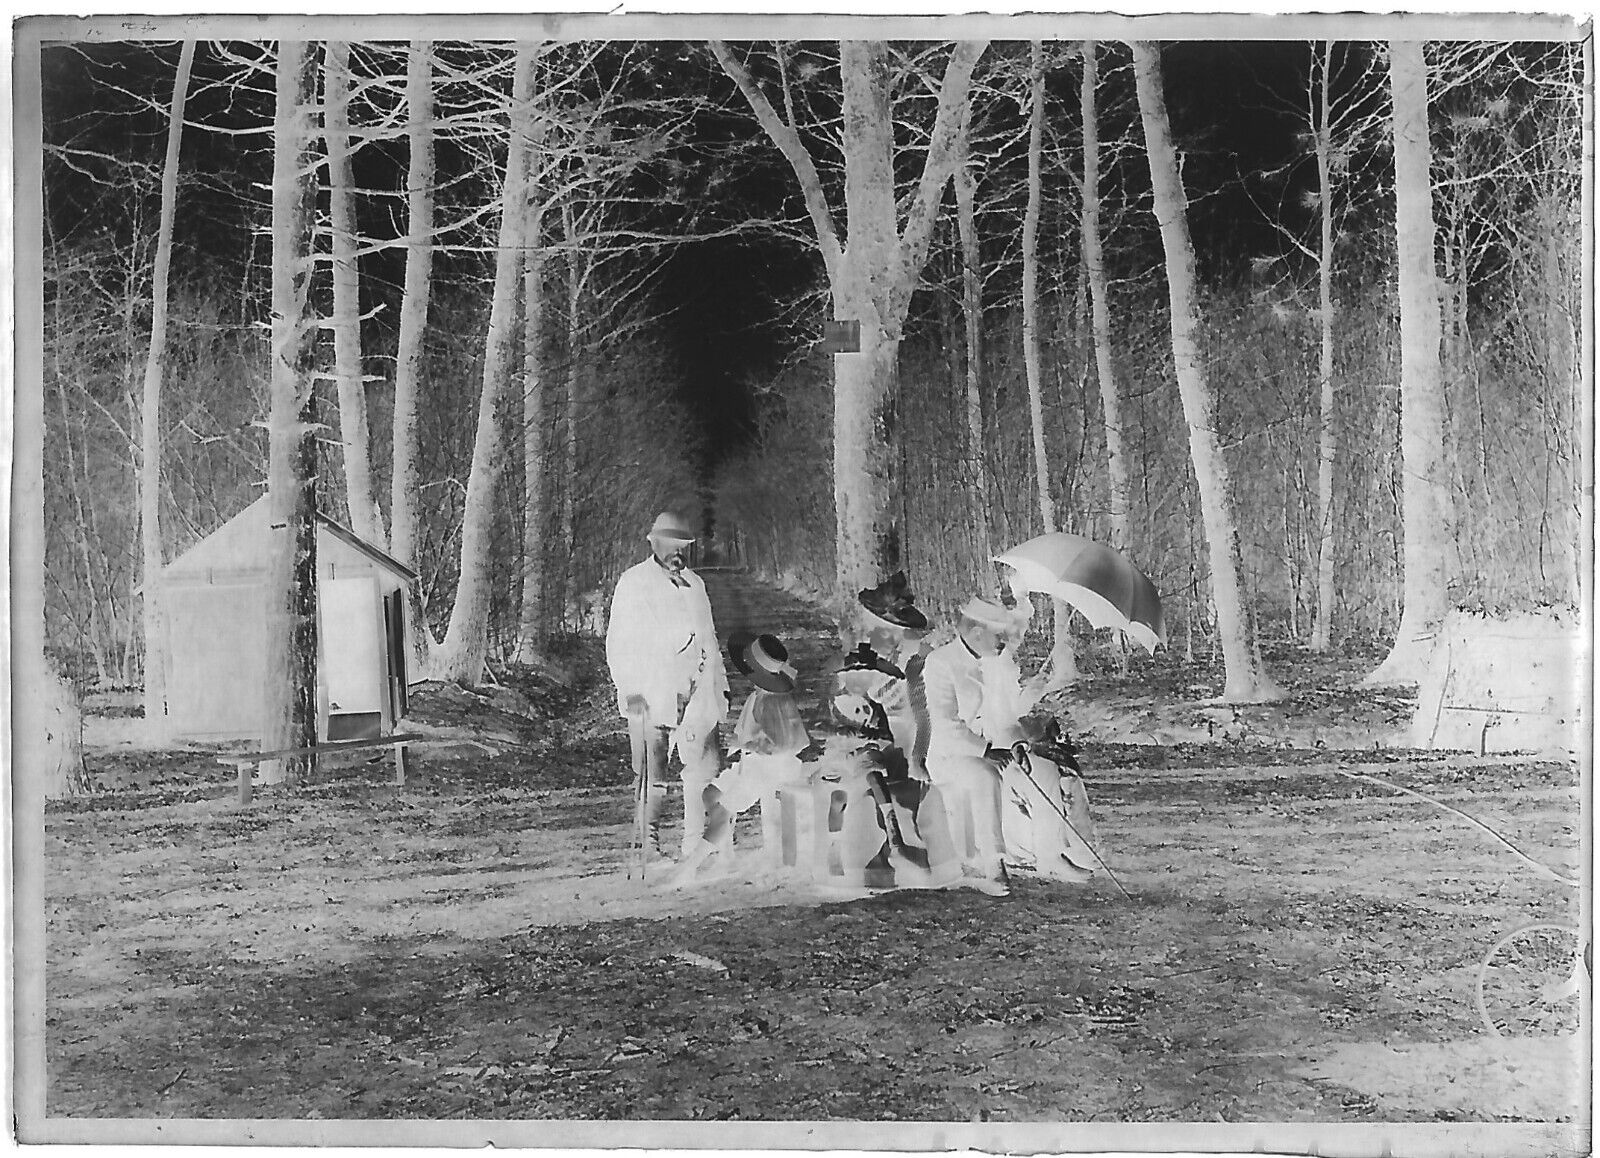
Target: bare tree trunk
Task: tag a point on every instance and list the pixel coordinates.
(569, 443)
(1425, 505)
(405, 485)
(155, 652)
(579, 267)
(871, 280)
(1119, 489)
(866, 428)
(47, 745)
(78, 485)
(1246, 679)
(65, 772)
(1063, 661)
(354, 437)
(531, 628)
(466, 644)
(972, 312)
(1565, 370)
(46, 742)
(1328, 437)
(290, 688)
(1030, 290)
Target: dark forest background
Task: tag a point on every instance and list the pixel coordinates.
(683, 305)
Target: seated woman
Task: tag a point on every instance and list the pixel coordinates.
(965, 768)
(1044, 811)
(768, 740)
(879, 704)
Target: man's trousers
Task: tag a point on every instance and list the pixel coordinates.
(651, 746)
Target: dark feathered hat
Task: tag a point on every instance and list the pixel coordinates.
(863, 658)
(893, 602)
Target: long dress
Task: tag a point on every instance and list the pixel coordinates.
(883, 750)
(1033, 800)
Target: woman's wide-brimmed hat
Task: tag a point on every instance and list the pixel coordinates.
(764, 659)
(893, 602)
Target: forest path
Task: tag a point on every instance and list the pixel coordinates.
(742, 602)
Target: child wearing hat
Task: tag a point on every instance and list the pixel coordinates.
(767, 740)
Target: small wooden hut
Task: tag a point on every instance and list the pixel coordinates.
(215, 599)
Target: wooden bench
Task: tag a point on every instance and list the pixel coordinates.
(243, 762)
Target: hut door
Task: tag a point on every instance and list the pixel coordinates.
(354, 672)
(394, 624)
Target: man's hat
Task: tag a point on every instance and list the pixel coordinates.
(893, 602)
(670, 526)
(989, 613)
(764, 659)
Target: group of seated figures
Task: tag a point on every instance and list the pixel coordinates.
(936, 771)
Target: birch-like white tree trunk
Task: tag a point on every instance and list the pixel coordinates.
(47, 717)
(1030, 289)
(354, 437)
(464, 651)
(155, 366)
(576, 271)
(972, 313)
(1118, 486)
(1328, 434)
(1246, 680)
(290, 687)
(871, 278)
(531, 618)
(1424, 504)
(1063, 661)
(46, 740)
(406, 483)
(866, 427)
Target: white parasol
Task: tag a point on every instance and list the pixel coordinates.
(1099, 582)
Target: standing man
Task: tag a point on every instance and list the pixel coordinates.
(661, 645)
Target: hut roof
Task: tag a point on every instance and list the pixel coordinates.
(240, 544)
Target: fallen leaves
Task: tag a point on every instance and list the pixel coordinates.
(1060, 1002)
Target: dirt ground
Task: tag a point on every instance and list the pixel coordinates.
(1302, 943)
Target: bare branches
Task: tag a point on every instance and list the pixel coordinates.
(951, 120)
(788, 140)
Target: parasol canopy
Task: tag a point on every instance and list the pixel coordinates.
(1099, 582)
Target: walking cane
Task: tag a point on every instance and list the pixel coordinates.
(641, 795)
(641, 801)
(1027, 770)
